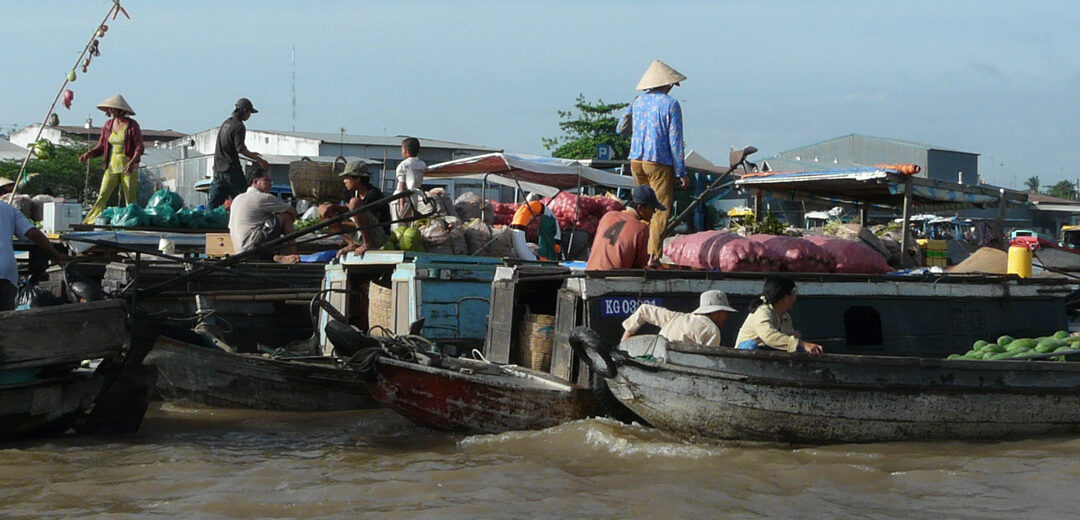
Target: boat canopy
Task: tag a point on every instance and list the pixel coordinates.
(878, 185)
(538, 171)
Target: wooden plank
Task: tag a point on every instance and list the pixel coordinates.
(500, 322)
(61, 334)
(562, 356)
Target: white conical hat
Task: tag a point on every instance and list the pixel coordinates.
(118, 102)
(659, 75)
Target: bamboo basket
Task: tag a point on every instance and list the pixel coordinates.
(380, 306)
(535, 339)
(317, 180)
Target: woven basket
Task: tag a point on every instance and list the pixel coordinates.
(535, 339)
(317, 180)
(380, 306)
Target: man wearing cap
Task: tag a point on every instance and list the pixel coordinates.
(656, 146)
(256, 216)
(701, 327)
(228, 178)
(361, 232)
(622, 239)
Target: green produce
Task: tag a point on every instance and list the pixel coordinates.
(411, 240)
(979, 344)
(1048, 345)
(1073, 339)
(1005, 340)
(1064, 348)
(955, 356)
(397, 233)
(71, 75)
(1026, 343)
(1061, 334)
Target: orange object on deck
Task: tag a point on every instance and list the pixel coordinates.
(903, 169)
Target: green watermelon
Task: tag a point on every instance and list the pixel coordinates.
(1005, 340)
(1061, 334)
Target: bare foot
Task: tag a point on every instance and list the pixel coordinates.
(287, 259)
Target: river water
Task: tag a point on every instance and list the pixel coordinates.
(213, 463)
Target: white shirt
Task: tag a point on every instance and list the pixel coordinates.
(675, 326)
(411, 172)
(12, 222)
(248, 212)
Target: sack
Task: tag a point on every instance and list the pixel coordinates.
(721, 250)
(32, 297)
(217, 218)
(192, 218)
(131, 216)
(852, 257)
(796, 255)
(162, 216)
(469, 205)
(166, 198)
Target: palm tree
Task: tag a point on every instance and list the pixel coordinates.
(1032, 184)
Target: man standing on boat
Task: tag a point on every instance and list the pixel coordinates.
(622, 239)
(656, 146)
(700, 327)
(228, 178)
(13, 222)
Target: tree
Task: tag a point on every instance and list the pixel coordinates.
(60, 171)
(1063, 190)
(1032, 184)
(591, 125)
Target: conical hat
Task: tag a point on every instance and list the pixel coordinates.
(118, 102)
(659, 75)
(4, 182)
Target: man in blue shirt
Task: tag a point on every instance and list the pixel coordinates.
(656, 148)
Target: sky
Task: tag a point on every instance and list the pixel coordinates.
(995, 78)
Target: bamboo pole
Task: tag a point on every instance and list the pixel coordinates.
(115, 9)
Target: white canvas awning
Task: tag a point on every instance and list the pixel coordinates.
(538, 171)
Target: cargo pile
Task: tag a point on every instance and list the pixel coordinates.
(582, 212)
(1008, 347)
(722, 250)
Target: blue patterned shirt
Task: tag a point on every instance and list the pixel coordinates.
(658, 135)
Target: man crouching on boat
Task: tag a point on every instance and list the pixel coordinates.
(769, 323)
(701, 327)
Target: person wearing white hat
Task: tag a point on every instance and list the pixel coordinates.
(700, 327)
(656, 146)
(121, 143)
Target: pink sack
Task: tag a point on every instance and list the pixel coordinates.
(720, 250)
(851, 256)
(796, 255)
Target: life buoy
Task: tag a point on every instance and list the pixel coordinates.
(596, 352)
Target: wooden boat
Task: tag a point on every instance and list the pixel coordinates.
(1048, 253)
(724, 393)
(191, 371)
(46, 390)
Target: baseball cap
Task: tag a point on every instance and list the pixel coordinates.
(645, 195)
(245, 104)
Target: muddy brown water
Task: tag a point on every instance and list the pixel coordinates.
(213, 463)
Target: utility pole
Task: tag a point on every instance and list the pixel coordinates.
(294, 87)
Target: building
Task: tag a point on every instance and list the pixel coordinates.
(1048, 214)
(860, 150)
(10, 151)
(191, 157)
(81, 135)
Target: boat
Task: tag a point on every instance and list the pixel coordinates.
(193, 371)
(1061, 256)
(74, 366)
(765, 395)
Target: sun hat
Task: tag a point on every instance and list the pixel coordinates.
(5, 182)
(118, 102)
(355, 168)
(646, 196)
(245, 104)
(712, 301)
(659, 74)
(533, 196)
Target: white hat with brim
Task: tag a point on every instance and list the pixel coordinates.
(712, 301)
(5, 182)
(118, 102)
(659, 74)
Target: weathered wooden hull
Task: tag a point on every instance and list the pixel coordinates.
(447, 399)
(227, 379)
(47, 343)
(767, 396)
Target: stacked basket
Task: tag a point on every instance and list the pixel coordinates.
(317, 180)
(380, 307)
(535, 339)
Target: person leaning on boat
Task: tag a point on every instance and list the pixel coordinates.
(547, 229)
(700, 327)
(13, 222)
(256, 216)
(622, 239)
(769, 323)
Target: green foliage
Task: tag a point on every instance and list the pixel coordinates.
(60, 171)
(1063, 190)
(1032, 184)
(590, 125)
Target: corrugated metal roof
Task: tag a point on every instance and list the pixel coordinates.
(375, 140)
(901, 142)
(10, 151)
